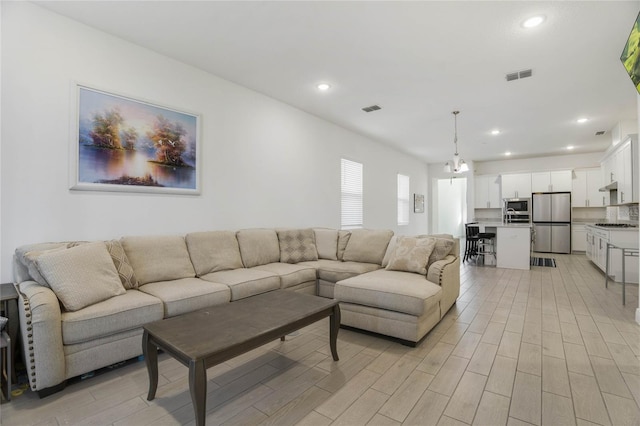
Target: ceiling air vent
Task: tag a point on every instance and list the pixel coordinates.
(600, 133)
(519, 74)
(371, 108)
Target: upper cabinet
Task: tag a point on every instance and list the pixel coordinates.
(558, 181)
(487, 195)
(620, 166)
(516, 185)
(585, 189)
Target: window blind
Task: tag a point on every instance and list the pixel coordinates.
(403, 200)
(351, 194)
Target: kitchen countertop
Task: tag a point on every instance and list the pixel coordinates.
(505, 225)
(613, 228)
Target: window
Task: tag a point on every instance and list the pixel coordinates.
(403, 200)
(351, 194)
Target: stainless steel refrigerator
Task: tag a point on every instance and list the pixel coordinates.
(551, 212)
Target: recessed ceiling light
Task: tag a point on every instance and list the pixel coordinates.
(508, 153)
(534, 21)
(495, 132)
(323, 87)
(582, 120)
(570, 147)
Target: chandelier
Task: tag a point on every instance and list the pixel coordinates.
(457, 165)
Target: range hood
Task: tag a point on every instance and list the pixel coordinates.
(613, 186)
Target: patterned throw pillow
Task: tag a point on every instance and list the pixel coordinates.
(297, 245)
(441, 250)
(121, 261)
(411, 255)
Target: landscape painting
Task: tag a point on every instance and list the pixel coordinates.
(128, 145)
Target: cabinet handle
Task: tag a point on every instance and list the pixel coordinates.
(611, 177)
(622, 196)
(603, 200)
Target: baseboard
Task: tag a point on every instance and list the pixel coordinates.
(638, 315)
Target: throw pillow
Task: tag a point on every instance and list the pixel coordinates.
(121, 262)
(343, 239)
(297, 245)
(30, 259)
(411, 255)
(82, 275)
(326, 243)
(390, 249)
(441, 250)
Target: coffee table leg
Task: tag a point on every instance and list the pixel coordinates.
(334, 326)
(150, 352)
(198, 389)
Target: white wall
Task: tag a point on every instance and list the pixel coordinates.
(264, 162)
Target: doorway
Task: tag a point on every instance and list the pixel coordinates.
(452, 206)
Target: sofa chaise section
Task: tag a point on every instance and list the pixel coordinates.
(405, 304)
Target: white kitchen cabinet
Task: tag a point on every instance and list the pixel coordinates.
(620, 165)
(579, 236)
(556, 181)
(516, 185)
(487, 194)
(597, 239)
(608, 166)
(585, 189)
(624, 165)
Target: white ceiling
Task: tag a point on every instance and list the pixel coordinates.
(418, 60)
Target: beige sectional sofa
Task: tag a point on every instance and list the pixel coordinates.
(82, 305)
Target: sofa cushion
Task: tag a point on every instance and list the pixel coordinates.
(327, 243)
(123, 266)
(392, 290)
(343, 240)
(213, 251)
(411, 255)
(297, 245)
(290, 275)
(258, 246)
(245, 282)
(366, 245)
(335, 270)
(441, 249)
(117, 314)
(158, 258)
(187, 294)
(81, 276)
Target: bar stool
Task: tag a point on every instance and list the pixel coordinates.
(486, 245)
(472, 231)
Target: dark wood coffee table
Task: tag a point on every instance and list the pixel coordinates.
(204, 338)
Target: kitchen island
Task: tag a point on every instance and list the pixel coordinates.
(513, 243)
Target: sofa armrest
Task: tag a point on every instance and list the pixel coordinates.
(437, 269)
(446, 273)
(41, 330)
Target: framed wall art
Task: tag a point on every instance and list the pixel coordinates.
(125, 144)
(418, 203)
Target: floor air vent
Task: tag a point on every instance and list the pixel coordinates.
(371, 108)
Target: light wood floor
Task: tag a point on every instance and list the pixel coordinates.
(546, 346)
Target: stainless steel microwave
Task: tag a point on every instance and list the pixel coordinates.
(517, 209)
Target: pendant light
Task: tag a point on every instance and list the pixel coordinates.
(457, 165)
